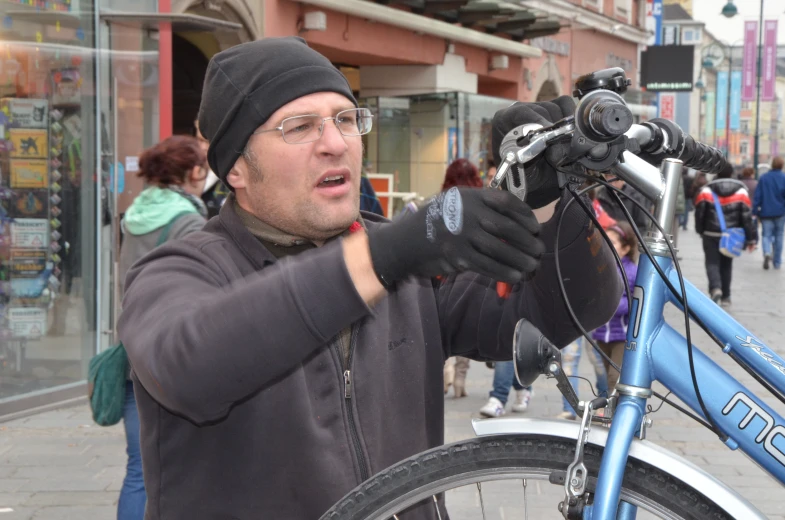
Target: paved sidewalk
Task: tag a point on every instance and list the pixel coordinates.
(60, 466)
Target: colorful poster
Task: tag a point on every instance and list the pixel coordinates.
(27, 322)
(769, 61)
(29, 204)
(28, 262)
(26, 113)
(709, 117)
(668, 106)
(722, 102)
(29, 174)
(29, 143)
(30, 233)
(735, 100)
(749, 63)
(452, 146)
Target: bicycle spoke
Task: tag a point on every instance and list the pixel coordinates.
(482, 503)
(436, 505)
(525, 504)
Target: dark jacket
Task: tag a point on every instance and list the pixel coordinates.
(736, 208)
(770, 195)
(616, 213)
(241, 383)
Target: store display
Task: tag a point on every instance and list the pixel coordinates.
(36, 153)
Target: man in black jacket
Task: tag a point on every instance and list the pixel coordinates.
(295, 346)
(737, 211)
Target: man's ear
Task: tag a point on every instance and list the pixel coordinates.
(238, 176)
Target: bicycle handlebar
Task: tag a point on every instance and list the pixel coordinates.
(661, 139)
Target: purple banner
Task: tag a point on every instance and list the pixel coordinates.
(769, 65)
(750, 61)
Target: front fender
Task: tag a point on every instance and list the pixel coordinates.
(645, 451)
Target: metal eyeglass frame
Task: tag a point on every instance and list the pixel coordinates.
(359, 110)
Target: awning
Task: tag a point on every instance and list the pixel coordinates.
(181, 22)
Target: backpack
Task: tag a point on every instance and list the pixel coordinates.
(106, 373)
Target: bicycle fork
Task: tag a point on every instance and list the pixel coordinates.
(627, 420)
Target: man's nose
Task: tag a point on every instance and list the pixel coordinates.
(332, 141)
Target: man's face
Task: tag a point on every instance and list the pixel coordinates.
(282, 184)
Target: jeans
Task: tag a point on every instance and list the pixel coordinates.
(571, 357)
(132, 494)
(772, 235)
(503, 379)
(719, 267)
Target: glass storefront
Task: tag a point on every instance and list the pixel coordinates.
(48, 195)
(415, 138)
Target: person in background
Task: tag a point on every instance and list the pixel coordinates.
(368, 199)
(749, 180)
(570, 360)
(615, 212)
(215, 191)
(174, 172)
(687, 182)
(736, 208)
(769, 206)
(612, 336)
(461, 172)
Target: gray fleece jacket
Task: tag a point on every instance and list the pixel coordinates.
(249, 410)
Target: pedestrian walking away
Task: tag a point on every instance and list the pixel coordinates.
(769, 206)
(737, 212)
(295, 346)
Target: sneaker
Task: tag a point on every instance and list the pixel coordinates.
(567, 415)
(521, 403)
(716, 295)
(493, 408)
(725, 302)
(766, 260)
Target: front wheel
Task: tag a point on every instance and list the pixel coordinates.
(523, 464)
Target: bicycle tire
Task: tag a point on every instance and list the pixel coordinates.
(430, 472)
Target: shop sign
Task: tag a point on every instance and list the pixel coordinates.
(29, 143)
(552, 46)
(30, 233)
(28, 262)
(28, 203)
(27, 113)
(27, 322)
(611, 60)
(29, 174)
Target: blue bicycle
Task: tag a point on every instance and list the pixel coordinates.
(603, 468)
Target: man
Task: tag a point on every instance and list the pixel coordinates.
(769, 205)
(295, 347)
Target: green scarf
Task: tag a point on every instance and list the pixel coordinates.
(154, 208)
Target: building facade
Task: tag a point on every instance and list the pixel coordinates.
(88, 84)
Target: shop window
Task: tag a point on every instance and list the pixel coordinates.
(47, 195)
(594, 4)
(622, 9)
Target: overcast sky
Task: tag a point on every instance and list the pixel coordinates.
(708, 11)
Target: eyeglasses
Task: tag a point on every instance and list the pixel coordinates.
(309, 128)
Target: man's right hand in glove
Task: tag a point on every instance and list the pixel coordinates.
(489, 232)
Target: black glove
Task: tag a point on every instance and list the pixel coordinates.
(463, 229)
(542, 185)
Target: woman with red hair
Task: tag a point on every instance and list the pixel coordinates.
(461, 172)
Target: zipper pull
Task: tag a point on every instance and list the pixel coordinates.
(347, 384)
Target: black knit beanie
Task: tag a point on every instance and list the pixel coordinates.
(246, 83)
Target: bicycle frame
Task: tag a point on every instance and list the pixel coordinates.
(655, 351)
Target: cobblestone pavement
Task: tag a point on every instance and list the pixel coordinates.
(59, 465)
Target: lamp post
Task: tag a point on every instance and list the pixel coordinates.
(729, 11)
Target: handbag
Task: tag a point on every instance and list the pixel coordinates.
(732, 239)
(106, 372)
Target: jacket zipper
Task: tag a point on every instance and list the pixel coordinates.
(347, 394)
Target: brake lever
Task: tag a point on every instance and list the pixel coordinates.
(512, 168)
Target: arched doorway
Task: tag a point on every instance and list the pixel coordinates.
(548, 91)
(189, 65)
(191, 52)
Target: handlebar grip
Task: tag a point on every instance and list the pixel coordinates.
(703, 157)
